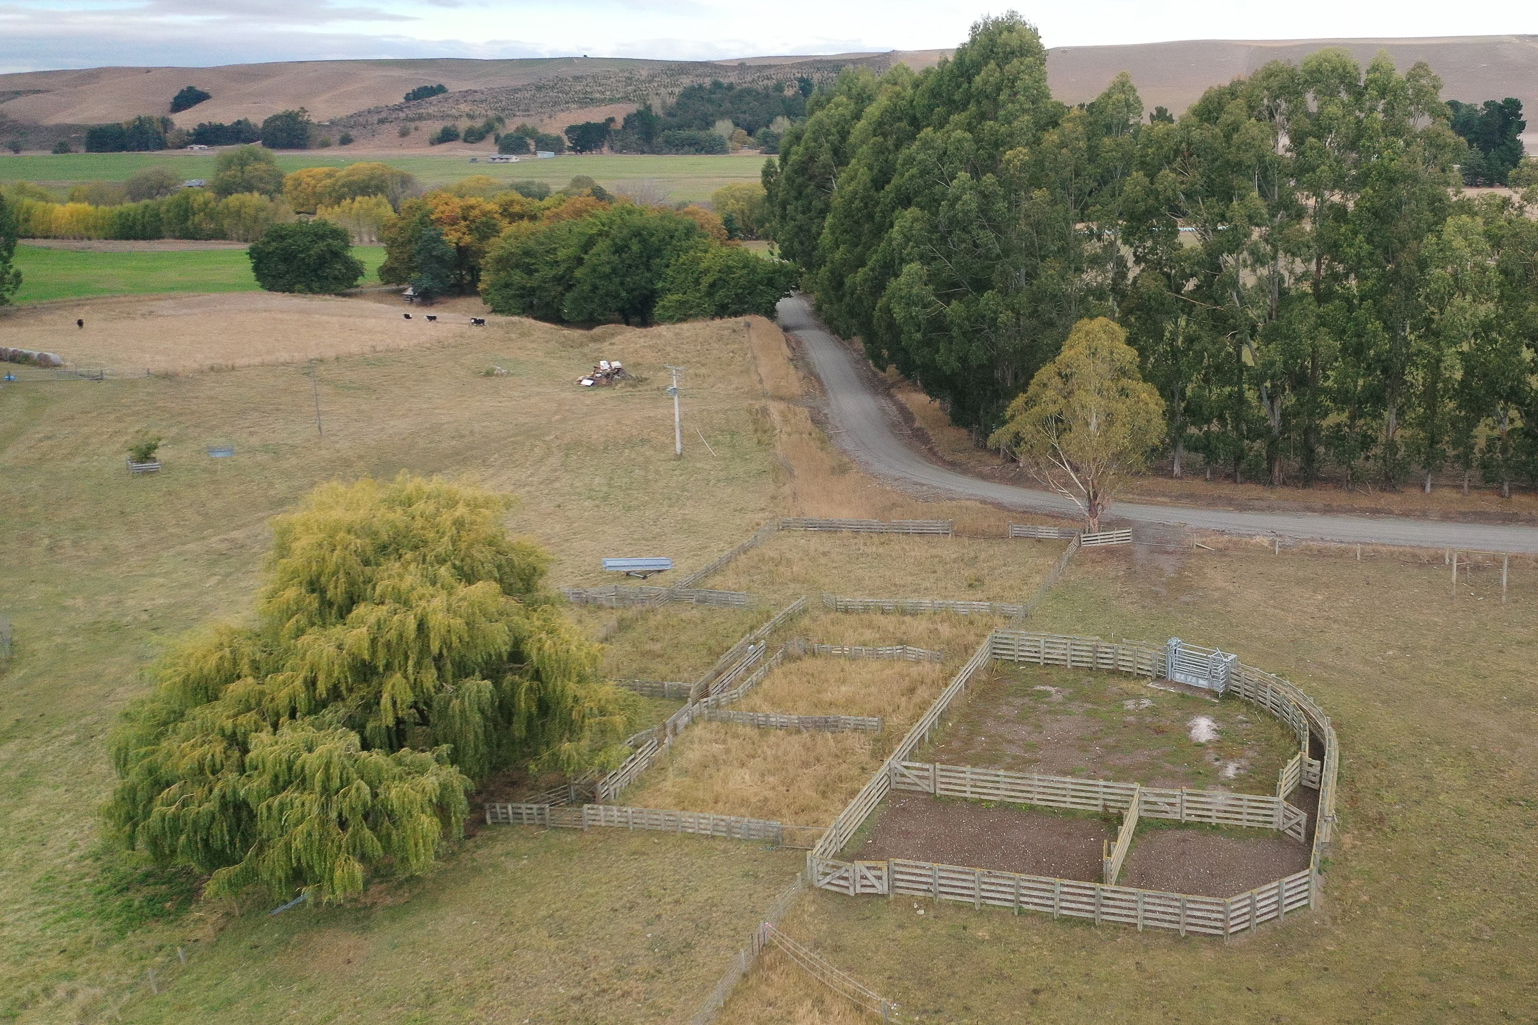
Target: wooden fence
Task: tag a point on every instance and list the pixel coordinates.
(761, 535)
(1112, 862)
(782, 721)
(657, 688)
(616, 816)
(1209, 807)
(745, 958)
(1182, 912)
(918, 606)
(1040, 532)
(1068, 898)
(1049, 581)
(736, 652)
(897, 652)
(617, 597)
(836, 979)
(943, 527)
(1105, 537)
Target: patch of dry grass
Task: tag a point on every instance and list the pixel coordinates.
(891, 566)
(672, 642)
(956, 636)
(779, 992)
(896, 691)
(803, 778)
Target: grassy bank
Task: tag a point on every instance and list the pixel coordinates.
(49, 273)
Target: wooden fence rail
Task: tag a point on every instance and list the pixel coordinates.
(919, 606)
(1210, 807)
(617, 816)
(943, 527)
(1040, 532)
(745, 958)
(657, 688)
(1118, 853)
(761, 535)
(836, 979)
(897, 652)
(1070, 898)
(1105, 537)
(616, 597)
(735, 653)
(781, 721)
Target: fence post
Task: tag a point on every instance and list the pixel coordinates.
(1455, 576)
(1505, 561)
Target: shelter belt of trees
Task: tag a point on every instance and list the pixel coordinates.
(1291, 258)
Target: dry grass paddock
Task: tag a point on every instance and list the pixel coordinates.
(956, 636)
(896, 691)
(673, 642)
(891, 566)
(785, 775)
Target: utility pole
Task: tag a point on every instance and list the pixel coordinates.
(315, 388)
(678, 424)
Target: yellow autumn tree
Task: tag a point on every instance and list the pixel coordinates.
(1087, 420)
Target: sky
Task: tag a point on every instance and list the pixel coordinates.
(43, 34)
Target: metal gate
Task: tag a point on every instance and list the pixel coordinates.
(1207, 668)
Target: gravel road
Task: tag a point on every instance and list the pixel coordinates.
(863, 425)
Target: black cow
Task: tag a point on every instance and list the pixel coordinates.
(406, 315)
(432, 318)
(80, 323)
(477, 321)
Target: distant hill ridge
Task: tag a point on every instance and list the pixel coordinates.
(368, 92)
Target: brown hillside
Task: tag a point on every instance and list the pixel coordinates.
(366, 91)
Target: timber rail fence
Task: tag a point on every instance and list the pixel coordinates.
(1184, 913)
(941, 527)
(618, 816)
(745, 958)
(784, 721)
(616, 597)
(920, 606)
(896, 652)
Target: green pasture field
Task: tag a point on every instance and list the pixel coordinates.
(681, 177)
(49, 273)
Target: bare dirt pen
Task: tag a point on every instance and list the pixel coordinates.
(1041, 843)
(1209, 862)
(801, 778)
(1427, 900)
(1056, 722)
(891, 566)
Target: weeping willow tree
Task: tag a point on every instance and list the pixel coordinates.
(404, 647)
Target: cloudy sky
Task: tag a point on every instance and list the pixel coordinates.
(37, 34)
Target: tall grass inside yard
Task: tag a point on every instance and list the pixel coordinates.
(1426, 909)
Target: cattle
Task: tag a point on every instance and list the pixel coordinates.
(477, 321)
(432, 318)
(80, 323)
(406, 315)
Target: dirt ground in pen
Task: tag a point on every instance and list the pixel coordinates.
(1209, 863)
(1057, 722)
(923, 828)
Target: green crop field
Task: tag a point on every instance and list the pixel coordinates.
(72, 274)
(680, 177)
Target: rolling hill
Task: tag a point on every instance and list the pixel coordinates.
(365, 95)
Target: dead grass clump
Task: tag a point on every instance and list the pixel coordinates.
(890, 566)
(898, 692)
(787, 776)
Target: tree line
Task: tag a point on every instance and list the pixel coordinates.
(1290, 258)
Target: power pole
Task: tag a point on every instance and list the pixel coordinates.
(315, 388)
(678, 424)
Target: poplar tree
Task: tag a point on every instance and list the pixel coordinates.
(404, 647)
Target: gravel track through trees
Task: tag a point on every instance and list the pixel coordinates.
(864, 425)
